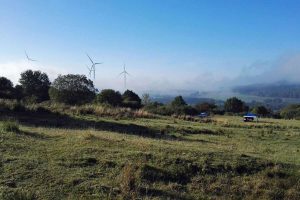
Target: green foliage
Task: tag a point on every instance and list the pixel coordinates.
(18, 92)
(161, 109)
(10, 126)
(158, 108)
(72, 89)
(11, 105)
(110, 97)
(6, 88)
(235, 105)
(291, 112)
(131, 99)
(178, 102)
(35, 85)
(205, 107)
(11, 194)
(260, 110)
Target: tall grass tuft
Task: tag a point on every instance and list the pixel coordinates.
(10, 126)
(128, 183)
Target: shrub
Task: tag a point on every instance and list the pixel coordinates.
(291, 112)
(260, 110)
(205, 107)
(11, 105)
(6, 88)
(35, 85)
(109, 96)
(235, 105)
(178, 102)
(131, 100)
(72, 89)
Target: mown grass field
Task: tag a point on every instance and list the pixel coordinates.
(55, 156)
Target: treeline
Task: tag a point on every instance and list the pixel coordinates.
(270, 90)
(71, 89)
(35, 87)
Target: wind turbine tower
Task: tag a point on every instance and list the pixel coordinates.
(125, 73)
(93, 67)
(90, 71)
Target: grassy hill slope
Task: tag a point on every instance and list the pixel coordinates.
(55, 156)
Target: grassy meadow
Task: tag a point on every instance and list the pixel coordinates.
(71, 153)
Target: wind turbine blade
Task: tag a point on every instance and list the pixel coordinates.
(90, 58)
(29, 59)
(98, 63)
(121, 73)
(26, 55)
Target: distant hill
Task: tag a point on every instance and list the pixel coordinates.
(190, 100)
(277, 90)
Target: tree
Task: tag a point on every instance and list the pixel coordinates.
(35, 85)
(205, 107)
(72, 89)
(18, 92)
(131, 99)
(291, 111)
(260, 110)
(235, 105)
(6, 88)
(109, 96)
(178, 102)
(146, 100)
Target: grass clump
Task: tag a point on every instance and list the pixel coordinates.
(10, 126)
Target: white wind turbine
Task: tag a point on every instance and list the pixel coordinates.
(125, 73)
(93, 67)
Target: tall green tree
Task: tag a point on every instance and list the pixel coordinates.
(260, 110)
(131, 99)
(6, 88)
(109, 96)
(205, 107)
(178, 102)
(235, 105)
(72, 89)
(291, 111)
(35, 85)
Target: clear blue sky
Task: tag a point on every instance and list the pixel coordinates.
(167, 44)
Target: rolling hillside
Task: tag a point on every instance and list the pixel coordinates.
(49, 155)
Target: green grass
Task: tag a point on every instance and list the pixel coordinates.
(56, 156)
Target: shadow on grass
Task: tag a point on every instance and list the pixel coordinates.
(49, 119)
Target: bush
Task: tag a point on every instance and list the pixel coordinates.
(6, 88)
(10, 126)
(235, 105)
(109, 96)
(161, 109)
(72, 89)
(291, 112)
(35, 85)
(11, 105)
(178, 102)
(205, 107)
(260, 110)
(131, 100)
